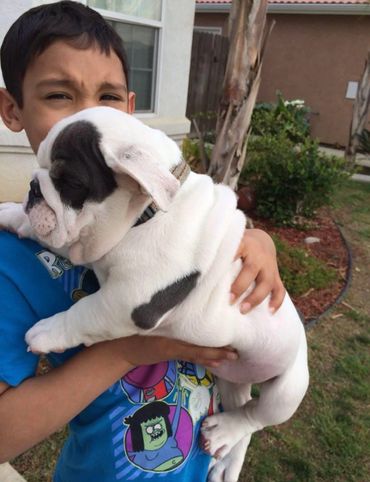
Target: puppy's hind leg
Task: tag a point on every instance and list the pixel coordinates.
(219, 440)
(279, 398)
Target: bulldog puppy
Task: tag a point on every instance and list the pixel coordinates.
(117, 195)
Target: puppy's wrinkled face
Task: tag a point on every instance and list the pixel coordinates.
(100, 169)
(61, 200)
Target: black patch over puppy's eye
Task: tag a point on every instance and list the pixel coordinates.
(78, 170)
(73, 191)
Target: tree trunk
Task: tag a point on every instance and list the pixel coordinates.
(248, 35)
(360, 111)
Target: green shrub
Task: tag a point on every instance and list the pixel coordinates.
(190, 151)
(290, 180)
(290, 117)
(291, 177)
(365, 141)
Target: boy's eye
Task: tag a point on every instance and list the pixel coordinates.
(58, 96)
(110, 97)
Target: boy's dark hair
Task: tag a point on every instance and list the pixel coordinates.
(39, 27)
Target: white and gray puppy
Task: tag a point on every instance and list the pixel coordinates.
(100, 169)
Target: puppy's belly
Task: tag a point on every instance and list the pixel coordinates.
(245, 371)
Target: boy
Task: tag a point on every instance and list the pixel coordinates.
(58, 59)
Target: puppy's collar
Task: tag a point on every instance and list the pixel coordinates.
(181, 172)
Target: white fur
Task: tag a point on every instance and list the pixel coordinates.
(199, 230)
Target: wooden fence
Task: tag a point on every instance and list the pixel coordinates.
(208, 65)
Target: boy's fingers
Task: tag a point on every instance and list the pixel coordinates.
(277, 297)
(259, 293)
(242, 282)
(205, 355)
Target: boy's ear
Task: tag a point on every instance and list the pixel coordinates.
(10, 111)
(131, 102)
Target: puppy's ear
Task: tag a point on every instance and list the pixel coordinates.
(152, 175)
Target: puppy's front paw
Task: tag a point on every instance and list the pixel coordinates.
(220, 432)
(46, 336)
(14, 219)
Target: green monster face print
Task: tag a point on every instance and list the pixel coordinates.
(154, 433)
(153, 437)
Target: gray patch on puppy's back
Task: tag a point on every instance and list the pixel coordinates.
(147, 315)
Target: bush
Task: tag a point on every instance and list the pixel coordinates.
(191, 154)
(365, 141)
(290, 180)
(290, 117)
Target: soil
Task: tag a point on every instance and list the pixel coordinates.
(331, 250)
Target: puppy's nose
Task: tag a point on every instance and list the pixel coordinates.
(34, 194)
(35, 190)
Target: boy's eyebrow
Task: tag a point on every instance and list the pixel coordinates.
(113, 86)
(72, 84)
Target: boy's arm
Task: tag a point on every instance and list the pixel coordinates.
(41, 405)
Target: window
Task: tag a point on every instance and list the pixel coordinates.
(150, 9)
(139, 23)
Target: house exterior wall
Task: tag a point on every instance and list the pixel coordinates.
(16, 158)
(212, 20)
(312, 57)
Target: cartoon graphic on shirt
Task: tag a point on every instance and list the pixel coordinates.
(56, 265)
(196, 374)
(149, 383)
(88, 283)
(159, 436)
(196, 382)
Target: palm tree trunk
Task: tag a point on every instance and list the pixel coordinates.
(360, 111)
(248, 35)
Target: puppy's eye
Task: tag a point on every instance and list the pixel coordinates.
(74, 184)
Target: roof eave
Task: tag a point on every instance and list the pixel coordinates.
(297, 8)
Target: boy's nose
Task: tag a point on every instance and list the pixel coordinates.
(87, 104)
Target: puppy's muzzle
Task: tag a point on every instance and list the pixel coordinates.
(41, 216)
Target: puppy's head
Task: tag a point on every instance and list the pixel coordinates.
(100, 169)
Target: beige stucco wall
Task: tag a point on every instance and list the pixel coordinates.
(313, 57)
(212, 20)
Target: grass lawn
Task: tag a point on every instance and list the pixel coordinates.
(329, 437)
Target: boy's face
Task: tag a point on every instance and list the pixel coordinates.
(64, 80)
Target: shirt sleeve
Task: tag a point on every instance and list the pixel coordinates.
(16, 317)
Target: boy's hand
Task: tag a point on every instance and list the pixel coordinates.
(258, 253)
(148, 350)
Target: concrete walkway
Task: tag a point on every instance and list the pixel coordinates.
(8, 474)
(361, 160)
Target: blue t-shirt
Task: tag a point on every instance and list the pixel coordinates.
(146, 425)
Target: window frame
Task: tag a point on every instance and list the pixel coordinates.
(113, 16)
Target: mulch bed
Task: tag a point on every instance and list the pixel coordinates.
(331, 249)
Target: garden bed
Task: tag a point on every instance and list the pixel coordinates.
(331, 251)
